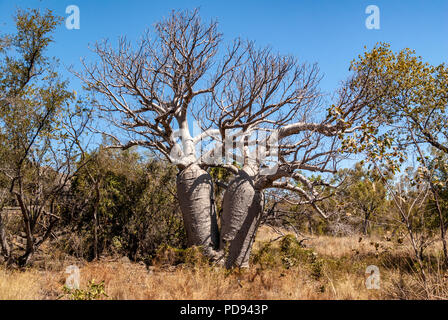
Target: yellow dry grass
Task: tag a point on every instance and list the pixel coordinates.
(19, 285)
(131, 281)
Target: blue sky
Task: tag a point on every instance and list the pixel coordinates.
(329, 32)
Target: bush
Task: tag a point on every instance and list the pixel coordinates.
(135, 204)
(169, 256)
(288, 254)
(93, 291)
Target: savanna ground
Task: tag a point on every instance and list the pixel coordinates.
(320, 267)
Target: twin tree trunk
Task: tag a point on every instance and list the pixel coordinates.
(242, 211)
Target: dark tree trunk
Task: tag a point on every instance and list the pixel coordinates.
(95, 221)
(26, 257)
(365, 227)
(3, 241)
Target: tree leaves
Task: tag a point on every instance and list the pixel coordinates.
(411, 109)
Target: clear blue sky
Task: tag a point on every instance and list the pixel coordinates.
(329, 32)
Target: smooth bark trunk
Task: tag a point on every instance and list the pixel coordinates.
(241, 216)
(195, 192)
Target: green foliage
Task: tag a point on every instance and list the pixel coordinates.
(288, 254)
(439, 165)
(412, 107)
(360, 202)
(135, 204)
(363, 194)
(94, 291)
(33, 97)
(169, 256)
(39, 128)
(426, 218)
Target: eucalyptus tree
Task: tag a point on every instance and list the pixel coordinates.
(261, 116)
(413, 108)
(412, 116)
(364, 193)
(39, 128)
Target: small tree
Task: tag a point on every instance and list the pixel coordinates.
(38, 130)
(364, 194)
(411, 115)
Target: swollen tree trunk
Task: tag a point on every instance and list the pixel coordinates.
(241, 216)
(195, 192)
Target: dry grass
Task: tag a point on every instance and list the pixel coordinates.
(132, 281)
(340, 263)
(19, 285)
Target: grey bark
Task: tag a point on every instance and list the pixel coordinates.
(3, 241)
(195, 192)
(241, 216)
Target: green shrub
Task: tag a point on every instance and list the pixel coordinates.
(288, 254)
(135, 203)
(93, 291)
(167, 255)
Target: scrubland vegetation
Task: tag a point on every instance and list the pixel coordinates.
(326, 268)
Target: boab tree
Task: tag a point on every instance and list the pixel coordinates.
(150, 92)
(154, 90)
(274, 112)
